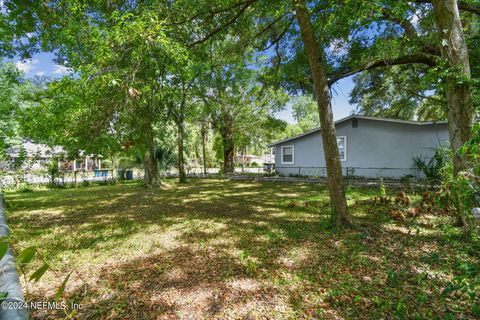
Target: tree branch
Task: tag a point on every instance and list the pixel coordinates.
(462, 5)
(280, 36)
(407, 26)
(419, 58)
(271, 24)
(247, 4)
(211, 14)
(413, 92)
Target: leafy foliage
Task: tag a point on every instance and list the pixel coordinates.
(430, 168)
(305, 112)
(463, 188)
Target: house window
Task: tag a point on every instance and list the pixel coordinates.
(342, 147)
(288, 154)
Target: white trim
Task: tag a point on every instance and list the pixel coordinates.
(345, 147)
(293, 154)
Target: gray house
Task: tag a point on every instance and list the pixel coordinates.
(368, 147)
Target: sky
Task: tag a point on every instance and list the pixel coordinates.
(43, 65)
(340, 105)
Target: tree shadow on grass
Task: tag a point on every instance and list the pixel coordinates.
(104, 214)
(237, 252)
(323, 276)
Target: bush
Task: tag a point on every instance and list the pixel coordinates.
(25, 188)
(53, 171)
(462, 189)
(430, 168)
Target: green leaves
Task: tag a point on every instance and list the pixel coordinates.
(39, 273)
(61, 289)
(305, 112)
(26, 255)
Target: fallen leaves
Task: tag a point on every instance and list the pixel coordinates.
(217, 249)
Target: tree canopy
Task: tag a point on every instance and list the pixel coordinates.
(142, 71)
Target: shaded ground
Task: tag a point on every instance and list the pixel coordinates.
(216, 249)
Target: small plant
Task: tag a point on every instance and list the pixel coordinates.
(249, 262)
(382, 190)
(24, 259)
(25, 188)
(22, 165)
(392, 278)
(53, 171)
(431, 168)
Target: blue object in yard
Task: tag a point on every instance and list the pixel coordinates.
(129, 175)
(101, 173)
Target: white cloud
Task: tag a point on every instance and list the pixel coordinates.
(26, 66)
(414, 20)
(338, 47)
(3, 8)
(59, 69)
(40, 73)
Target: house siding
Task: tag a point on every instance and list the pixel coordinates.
(374, 148)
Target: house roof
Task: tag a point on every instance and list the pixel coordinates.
(41, 150)
(354, 116)
(34, 148)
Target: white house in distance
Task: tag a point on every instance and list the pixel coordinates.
(44, 153)
(248, 159)
(368, 147)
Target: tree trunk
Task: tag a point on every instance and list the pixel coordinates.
(115, 161)
(461, 110)
(203, 133)
(182, 177)
(228, 166)
(243, 157)
(150, 173)
(316, 60)
(228, 151)
(151, 178)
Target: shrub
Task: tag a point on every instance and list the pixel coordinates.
(25, 188)
(462, 188)
(430, 168)
(53, 171)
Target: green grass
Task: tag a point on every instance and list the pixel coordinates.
(225, 249)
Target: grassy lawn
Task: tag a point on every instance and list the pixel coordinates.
(239, 250)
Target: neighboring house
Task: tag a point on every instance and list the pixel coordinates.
(368, 147)
(42, 155)
(248, 159)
